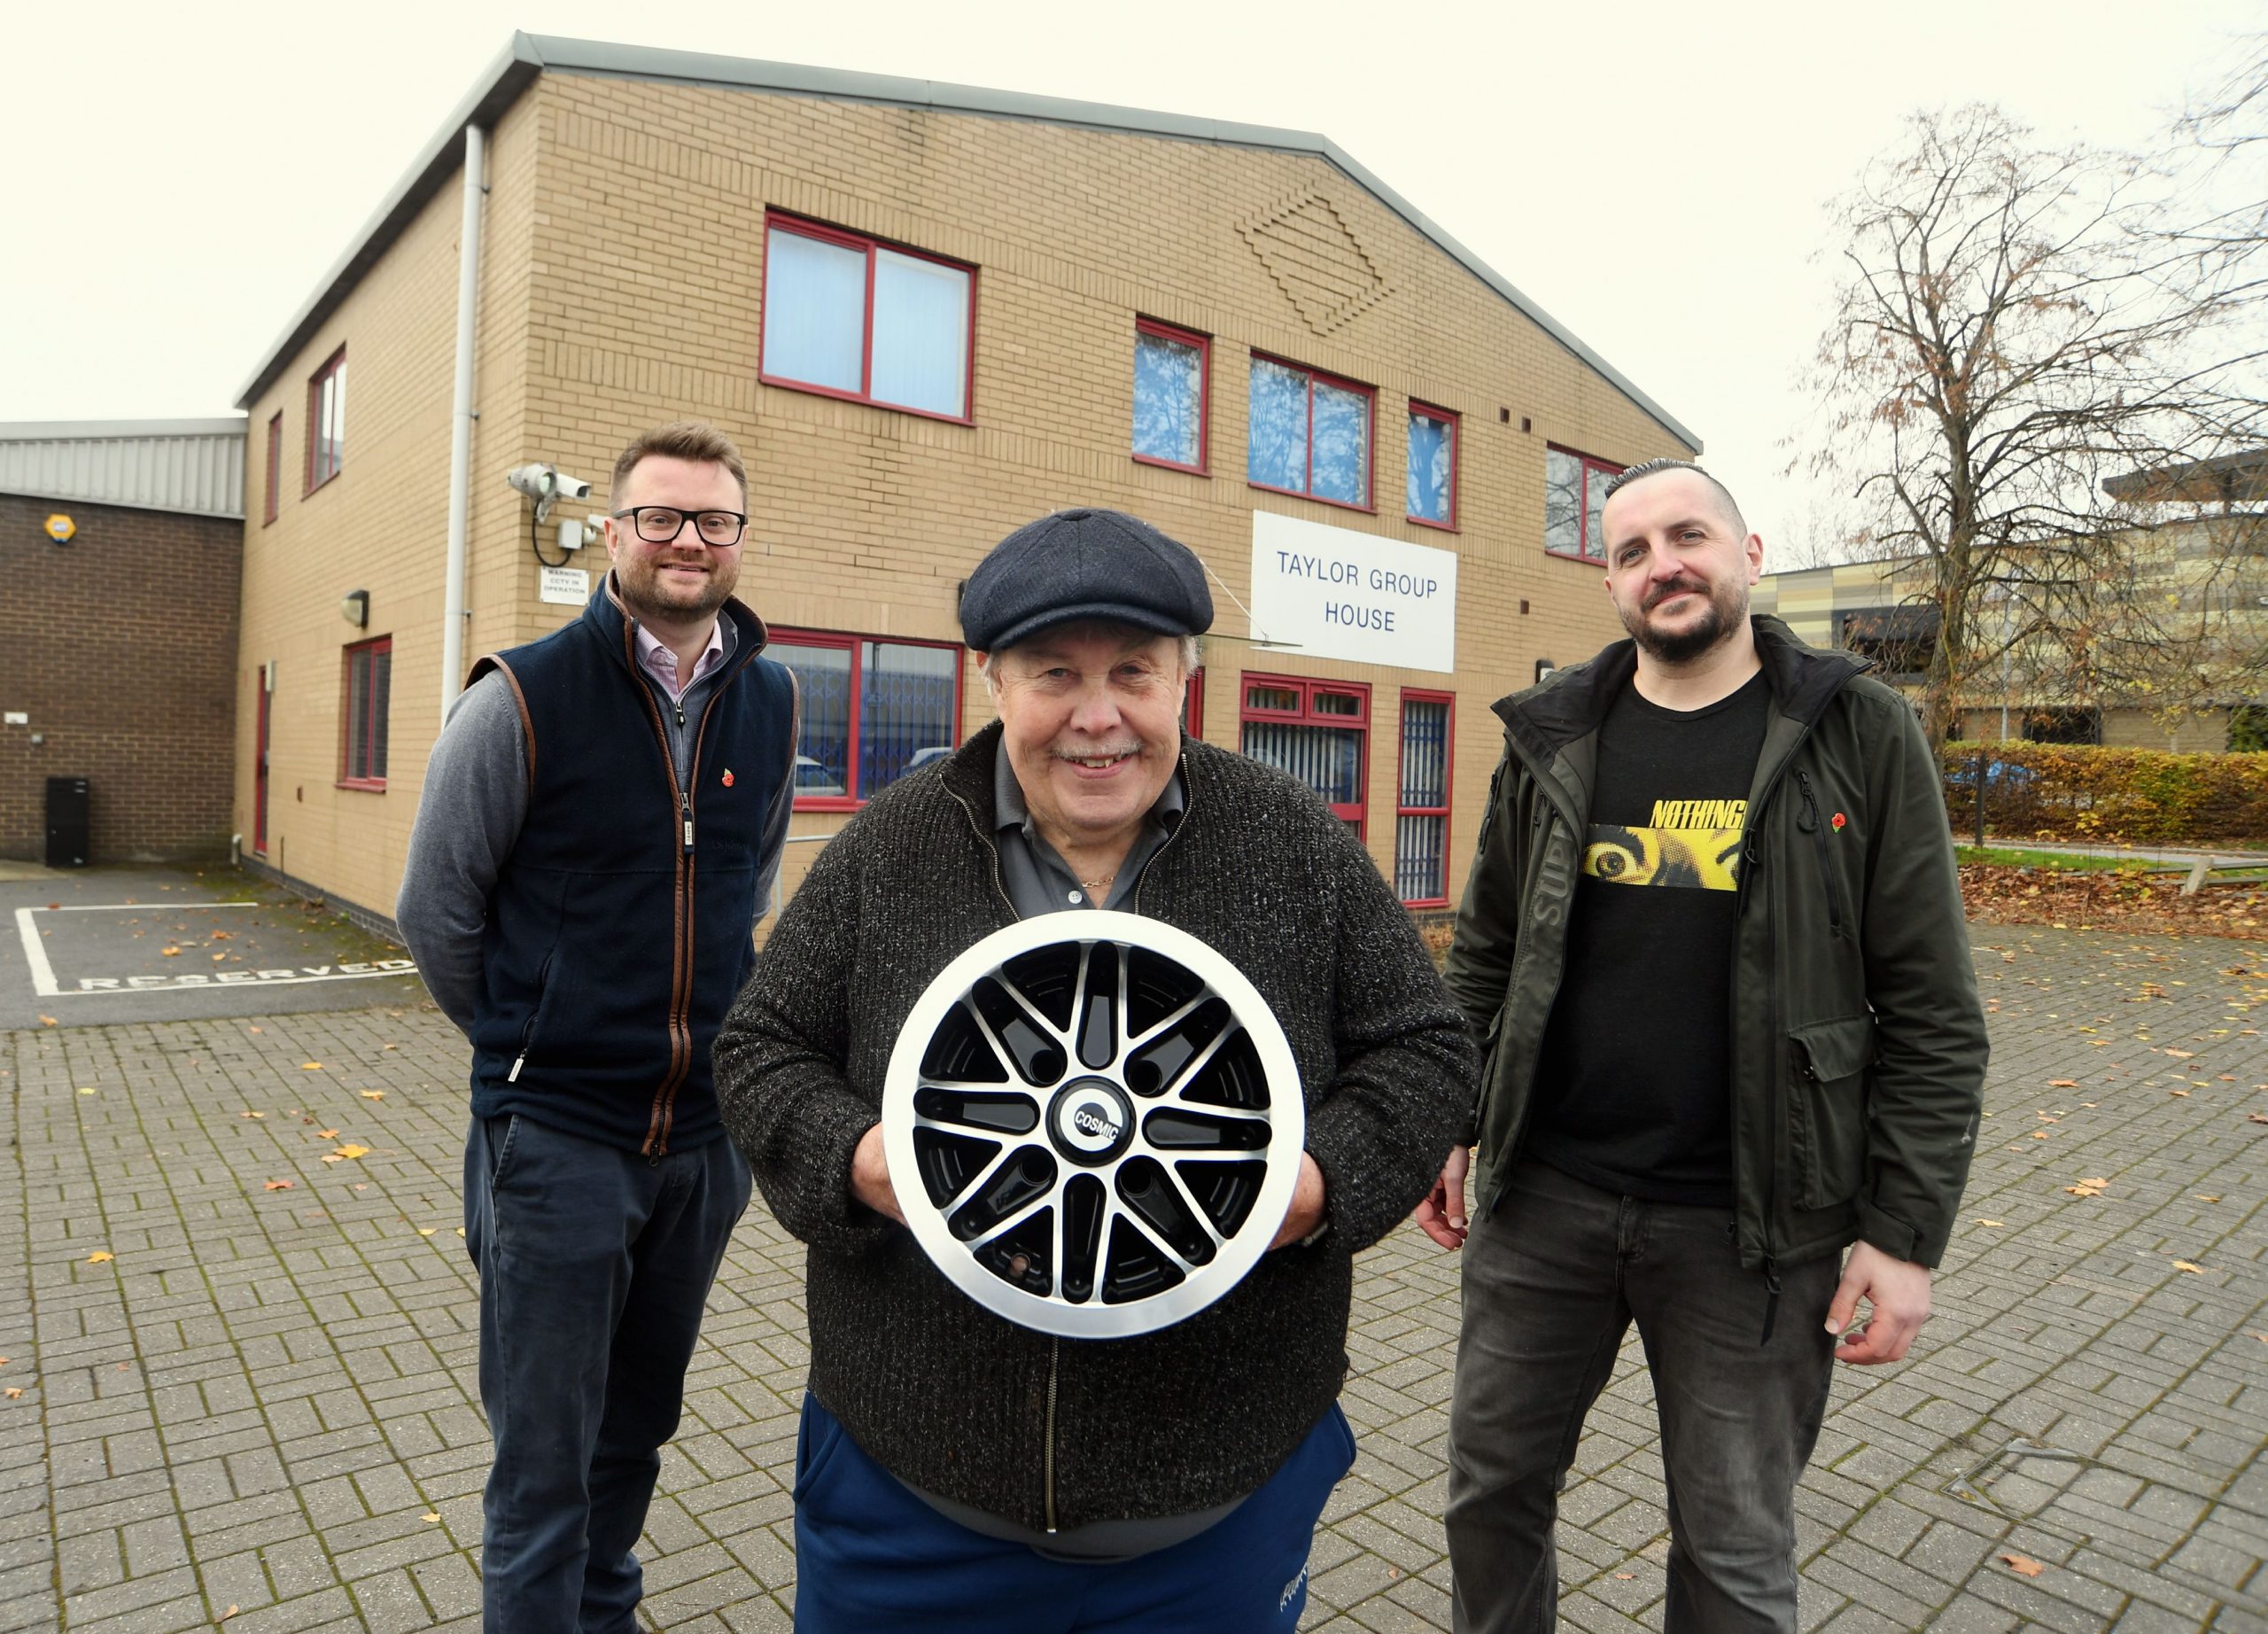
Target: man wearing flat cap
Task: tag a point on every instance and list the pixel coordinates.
(957, 1472)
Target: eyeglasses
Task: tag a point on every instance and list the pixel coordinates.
(660, 524)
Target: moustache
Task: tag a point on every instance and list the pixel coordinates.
(1683, 586)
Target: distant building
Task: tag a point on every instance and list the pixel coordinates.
(929, 314)
(2207, 573)
(120, 547)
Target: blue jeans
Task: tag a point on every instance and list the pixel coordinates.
(594, 1265)
(871, 1558)
(1553, 1279)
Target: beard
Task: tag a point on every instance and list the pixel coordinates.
(1728, 608)
(649, 597)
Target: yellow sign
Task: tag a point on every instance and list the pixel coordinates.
(60, 528)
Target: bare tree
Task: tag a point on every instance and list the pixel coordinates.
(2013, 327)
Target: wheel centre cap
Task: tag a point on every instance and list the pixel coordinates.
(1090, 1121)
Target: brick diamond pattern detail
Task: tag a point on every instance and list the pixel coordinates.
(1316, 260)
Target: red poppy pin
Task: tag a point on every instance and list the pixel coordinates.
(728, 783)
(1836, 820)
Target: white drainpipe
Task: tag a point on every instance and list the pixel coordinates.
(463, 414)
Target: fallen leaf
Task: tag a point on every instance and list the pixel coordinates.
(427, 1231)
(255, 1030)
(14, 1391)
(2193, 1269)
(333, 1157)
(99, 1256)
(2040, 1134)
(2208, 1196)
(2062, 1083)
(225, 1615)
(217, 958)
(327, 1134)
(460, 1232)
(2023, 1564)
(278, 1186)
(169, 952)
(86, 1091)
(311, 1066)
(2255, 1118)
(349, 1150)
(1983, 1222)
(2180, 1055)
(2179, 1094)
(373, 1094)
(1624, 1576)
(47, 1021)
(433, 1518)
(2087, 1189)
(252, 1115)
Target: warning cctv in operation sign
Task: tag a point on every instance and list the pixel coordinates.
(1337, 594)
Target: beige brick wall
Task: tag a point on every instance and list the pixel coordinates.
(623, 272)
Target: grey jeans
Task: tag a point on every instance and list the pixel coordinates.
(1553, 1279)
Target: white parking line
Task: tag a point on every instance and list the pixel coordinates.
(46, 987)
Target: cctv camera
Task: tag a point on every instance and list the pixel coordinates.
(546, 484)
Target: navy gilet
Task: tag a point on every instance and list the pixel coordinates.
(618, 932)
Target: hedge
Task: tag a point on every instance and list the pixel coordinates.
(2064, 791)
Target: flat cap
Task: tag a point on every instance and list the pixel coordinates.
(1083, 564)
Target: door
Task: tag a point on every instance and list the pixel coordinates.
(259, 763)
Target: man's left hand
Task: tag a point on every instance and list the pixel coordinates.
(1306, 1212)
(1897, 1292)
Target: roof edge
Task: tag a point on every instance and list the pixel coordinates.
(101, 431)
(499, 86)
(529, 55)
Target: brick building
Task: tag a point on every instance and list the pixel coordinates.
(132, 533)
(929, 314)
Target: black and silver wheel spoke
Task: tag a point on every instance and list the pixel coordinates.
(1105, 1120)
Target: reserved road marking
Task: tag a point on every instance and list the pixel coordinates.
(46, 987)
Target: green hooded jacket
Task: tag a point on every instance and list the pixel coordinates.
(1858, 1043)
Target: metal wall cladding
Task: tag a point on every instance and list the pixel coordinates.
(192, 466)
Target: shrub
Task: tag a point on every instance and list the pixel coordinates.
(2069, 792)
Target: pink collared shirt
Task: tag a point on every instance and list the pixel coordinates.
(661, 662)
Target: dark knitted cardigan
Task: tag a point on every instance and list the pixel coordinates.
(941, 1391)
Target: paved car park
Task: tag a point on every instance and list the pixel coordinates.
(240, 1320)
(95, 946)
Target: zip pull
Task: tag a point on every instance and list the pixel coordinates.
(685, 805)
(679, 706)
(519, 1061)
(1826, 863)
(1771, 1301)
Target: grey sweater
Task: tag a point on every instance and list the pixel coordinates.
(956, 1400)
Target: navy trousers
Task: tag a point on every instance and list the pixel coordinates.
(1553, 1279)
(594, 1266)
(871, 1558)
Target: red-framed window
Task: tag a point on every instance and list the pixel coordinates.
(274, 497)
(1309, 434)
(327, 421)
(1432, 466)
(363, 711)
(1173, 373)
(1421, 813)
(875, 709)
(1192, 703)
(1574, 494)
(850, 317)
(1318, 731)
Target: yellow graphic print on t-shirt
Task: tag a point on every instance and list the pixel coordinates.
(1695, 843)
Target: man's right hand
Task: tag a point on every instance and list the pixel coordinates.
(870, 1176)
(1442, 1215)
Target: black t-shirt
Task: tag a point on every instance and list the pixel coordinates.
(1633, 1089)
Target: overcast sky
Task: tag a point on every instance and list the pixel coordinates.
(1654, 175)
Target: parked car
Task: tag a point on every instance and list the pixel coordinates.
(811, 778)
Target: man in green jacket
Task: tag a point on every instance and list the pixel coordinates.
(1696, 1096)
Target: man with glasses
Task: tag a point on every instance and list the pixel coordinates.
(601, 823)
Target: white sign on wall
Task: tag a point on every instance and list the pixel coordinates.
(1338, 593)
(569, 587)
